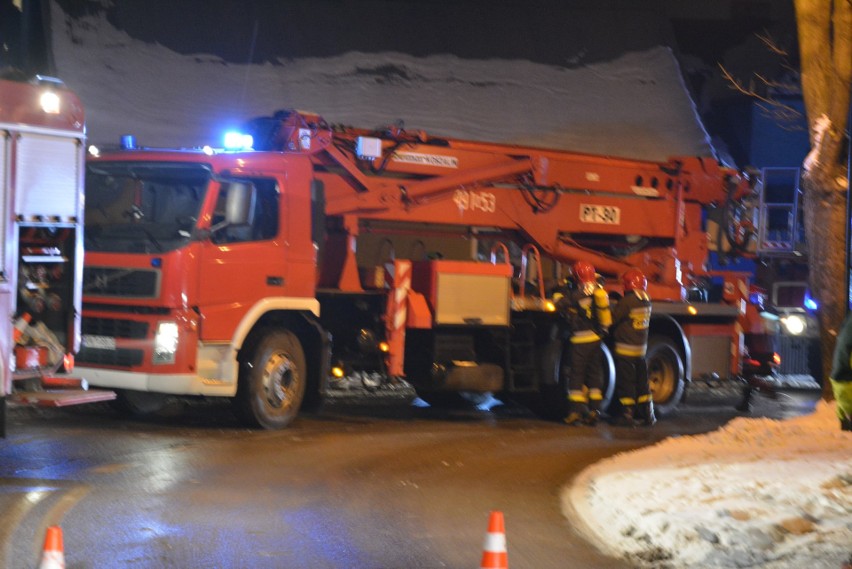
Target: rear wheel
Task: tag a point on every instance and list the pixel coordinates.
(272, 381)
(665, 374)
(608, 380)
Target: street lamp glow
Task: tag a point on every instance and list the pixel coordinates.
(794, 323)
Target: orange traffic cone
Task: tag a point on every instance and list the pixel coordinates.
(53, 555)
(494, 554)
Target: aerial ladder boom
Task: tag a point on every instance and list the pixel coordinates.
(613, 212)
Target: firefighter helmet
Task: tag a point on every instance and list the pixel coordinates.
(584, 272)
(634, 279)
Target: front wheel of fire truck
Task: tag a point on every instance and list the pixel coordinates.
(665, 374)
(272, 380)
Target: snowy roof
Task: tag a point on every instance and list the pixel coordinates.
(635, 106)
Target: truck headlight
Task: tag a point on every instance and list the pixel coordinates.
(795, 324)
(50, 103)
(165, 343)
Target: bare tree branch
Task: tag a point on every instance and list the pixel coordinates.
(781, 108)
(772, 45)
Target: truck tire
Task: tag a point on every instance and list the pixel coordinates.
(272, 381)
(608, 385)
(665, 374)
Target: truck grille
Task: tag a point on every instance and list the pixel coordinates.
(114, 328)
(121, 283)
(799, 355)
(121, 357)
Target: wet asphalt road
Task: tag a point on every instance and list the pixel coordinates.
(377, 485)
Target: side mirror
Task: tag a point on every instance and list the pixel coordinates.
(239, 203)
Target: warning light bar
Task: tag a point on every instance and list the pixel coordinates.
(238, 141)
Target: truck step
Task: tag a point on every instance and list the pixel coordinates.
(798, 381)
(785, 383)
(61, 397)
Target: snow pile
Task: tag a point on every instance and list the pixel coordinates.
(756, 493)
(636, 106)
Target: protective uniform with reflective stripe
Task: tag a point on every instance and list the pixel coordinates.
(587, 310)
(631, 318)
(841, 374)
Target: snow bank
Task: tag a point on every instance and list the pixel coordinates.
(756, 493)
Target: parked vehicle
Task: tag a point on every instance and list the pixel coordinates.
(42, 136)
(316, 251)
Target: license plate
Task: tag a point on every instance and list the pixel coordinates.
(98, 342)
(608, 215)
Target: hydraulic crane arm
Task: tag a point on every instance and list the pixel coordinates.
(613, 212)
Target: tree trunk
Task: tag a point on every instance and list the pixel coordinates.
(825, 45)
(825, 220)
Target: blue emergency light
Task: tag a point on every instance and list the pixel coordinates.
(238, 141)
(810, 303)
(128, 142)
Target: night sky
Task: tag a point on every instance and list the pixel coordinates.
(565, 32)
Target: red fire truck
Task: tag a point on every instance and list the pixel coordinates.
(325, 251)
(42, 137)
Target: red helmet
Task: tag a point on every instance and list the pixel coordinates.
(584, 272)
(634, 279)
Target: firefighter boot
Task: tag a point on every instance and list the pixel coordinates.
(645, 414)
(591, 418)
(626, 419)
(593, 414)
(573, 418)
(575, 415)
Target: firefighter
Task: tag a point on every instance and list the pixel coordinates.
(841, 374)
(587, 310)
(630, 320)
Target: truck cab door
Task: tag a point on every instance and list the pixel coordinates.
(244, 258)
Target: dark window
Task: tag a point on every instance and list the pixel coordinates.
(262, 219)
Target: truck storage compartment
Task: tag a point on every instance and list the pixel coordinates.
(465, 292)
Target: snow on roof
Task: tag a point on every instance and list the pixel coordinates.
(635, 106)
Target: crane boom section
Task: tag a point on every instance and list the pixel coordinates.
(573, 206)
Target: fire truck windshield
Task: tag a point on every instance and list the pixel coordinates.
(142, 208)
